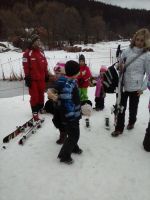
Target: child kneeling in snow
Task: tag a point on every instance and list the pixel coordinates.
(59, 70)
(51, 103)
(53, 97)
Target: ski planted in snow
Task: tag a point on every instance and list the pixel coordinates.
(87, 124)
(32, 130)
(107, 123)
(18, 130)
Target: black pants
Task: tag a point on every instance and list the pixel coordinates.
(133, 107)
(99, 102)
(70, 144)
(146, 141)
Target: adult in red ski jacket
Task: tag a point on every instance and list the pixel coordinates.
(83, 78)
(36, 74)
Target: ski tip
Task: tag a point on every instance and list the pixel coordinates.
(42, 120)
(3, 147)
(39, 126)
(20, 142)
(5, 140)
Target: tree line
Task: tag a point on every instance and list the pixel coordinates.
(69, 20)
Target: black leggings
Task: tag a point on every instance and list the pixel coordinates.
(133, 107)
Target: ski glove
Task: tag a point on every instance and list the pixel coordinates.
(80, 81)
(27, 81)
(46, 78)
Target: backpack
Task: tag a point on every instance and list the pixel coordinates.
(146, 141)
(110, 80)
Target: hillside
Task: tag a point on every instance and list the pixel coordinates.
(72, 20)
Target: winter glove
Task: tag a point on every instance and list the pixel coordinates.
(80, 81)
(46, 78)
(52, 94)
(139, 92)
(27, 81)
(104, 95)
(83, 73)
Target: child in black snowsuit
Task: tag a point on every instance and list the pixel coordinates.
(51, 104)
(53, 97)
(69, 111)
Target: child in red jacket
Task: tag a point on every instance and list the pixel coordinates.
(83, 78)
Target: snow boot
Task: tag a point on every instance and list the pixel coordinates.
(62, 138)
(65, 158)
(68, 160)
(36, 117)
(130, 126)
(116, 133)
(77, 151)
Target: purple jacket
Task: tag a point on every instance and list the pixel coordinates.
(98, 87)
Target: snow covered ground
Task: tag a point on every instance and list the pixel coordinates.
(109, 168)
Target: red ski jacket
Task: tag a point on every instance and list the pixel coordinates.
(35, 65)
(85, 75)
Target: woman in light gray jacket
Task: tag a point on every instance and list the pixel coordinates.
(135, 66)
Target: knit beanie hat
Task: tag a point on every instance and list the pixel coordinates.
(33, 38)
(59, 68)
(103, 69)
(72, 68)
(81, 57)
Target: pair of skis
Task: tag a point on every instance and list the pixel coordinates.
(36, 125)
(27, 128)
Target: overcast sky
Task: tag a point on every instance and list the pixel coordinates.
(137, 4)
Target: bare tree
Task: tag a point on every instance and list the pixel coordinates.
(97, 27)
(26, 16)
(72, 24)
(48, 17)
(10, 22)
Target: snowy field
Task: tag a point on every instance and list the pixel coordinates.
(109, 168)
(104, 54)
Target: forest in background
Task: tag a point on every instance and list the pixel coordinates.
(75, 21)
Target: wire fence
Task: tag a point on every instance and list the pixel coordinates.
(11, 77)
(13, 69)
